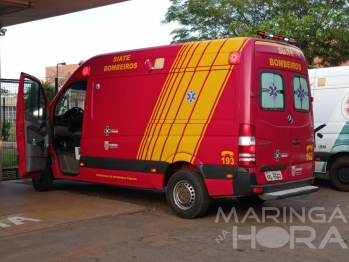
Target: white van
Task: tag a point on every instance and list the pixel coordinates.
(330, 89)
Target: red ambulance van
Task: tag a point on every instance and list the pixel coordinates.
(220, 118)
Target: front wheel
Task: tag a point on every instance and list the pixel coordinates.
(339, 175)
(44, 182)
(187, 194)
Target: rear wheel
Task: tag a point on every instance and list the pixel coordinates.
(44, 182)
(187, 194)
(251, 200)
(339, 174)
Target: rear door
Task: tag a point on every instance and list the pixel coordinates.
(283, 119)
(32, 129)
(301, 128)
(272, 127)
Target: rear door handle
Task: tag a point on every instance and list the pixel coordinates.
(296, 142)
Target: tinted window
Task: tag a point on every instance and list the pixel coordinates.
(300, 94)
(272, 91)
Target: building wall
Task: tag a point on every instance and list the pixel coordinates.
(64, 71)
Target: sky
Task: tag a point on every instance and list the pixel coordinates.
(30, 47)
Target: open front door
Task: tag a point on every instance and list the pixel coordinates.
(32, 129)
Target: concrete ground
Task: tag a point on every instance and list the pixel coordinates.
(51, 209)
(90, 222)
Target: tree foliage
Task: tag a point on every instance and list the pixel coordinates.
(34, 100)
(322, 26)
(49, 89)
(4, 92)
(5, 129)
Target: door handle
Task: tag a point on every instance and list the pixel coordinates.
(296, 142)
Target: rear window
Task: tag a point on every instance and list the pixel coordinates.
(272, 91)
(301, 94)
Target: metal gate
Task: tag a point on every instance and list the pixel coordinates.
(9, 89)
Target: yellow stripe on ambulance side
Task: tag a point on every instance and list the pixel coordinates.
(152, 122)
(161, 126)
(177, 127)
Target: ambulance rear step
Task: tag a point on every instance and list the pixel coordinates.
(289, 193)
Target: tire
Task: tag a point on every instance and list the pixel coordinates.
(251, 200)
(339, 175)
(187, 194)
(43, 183)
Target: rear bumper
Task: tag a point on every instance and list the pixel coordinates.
(244, 182)
(289, 193)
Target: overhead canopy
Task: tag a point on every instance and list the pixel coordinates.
(13, 12)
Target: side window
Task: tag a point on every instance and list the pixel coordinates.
(34, 100)
(272, 95)
(300, 94)
(74, 96)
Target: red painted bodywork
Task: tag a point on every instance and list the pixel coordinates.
(128, 107)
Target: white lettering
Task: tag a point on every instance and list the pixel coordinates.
(3, 225)
(226, 219)
(300, 217)
(338, 238)
(274, 217)
(323, 216)
(251, 237)
(18, 220)
(254, 215)
(306, 241)
(337, 210)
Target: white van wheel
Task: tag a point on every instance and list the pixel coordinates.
(187, 194)
(339, 174)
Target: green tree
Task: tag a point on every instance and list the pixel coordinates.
(49, 89)
(322, 26)
(4, 92)
(34, 100)
(6, 126)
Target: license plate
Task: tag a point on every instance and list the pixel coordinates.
(273, 175)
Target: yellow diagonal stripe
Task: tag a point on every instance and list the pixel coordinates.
(176, 127)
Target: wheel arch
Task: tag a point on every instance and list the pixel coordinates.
(178, 166)
(335, 157)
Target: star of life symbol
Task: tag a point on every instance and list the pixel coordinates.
(191, 96)
(277, 155)
(107, 131)
(300, 93)
(345, 106)
(273, 91)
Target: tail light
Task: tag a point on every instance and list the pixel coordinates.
(247, 145)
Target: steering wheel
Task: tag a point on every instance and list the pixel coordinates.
(76, 114)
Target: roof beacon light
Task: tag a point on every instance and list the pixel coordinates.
(265, 34)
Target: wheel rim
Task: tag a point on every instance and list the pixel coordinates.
(344, 175)
(184, 195)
